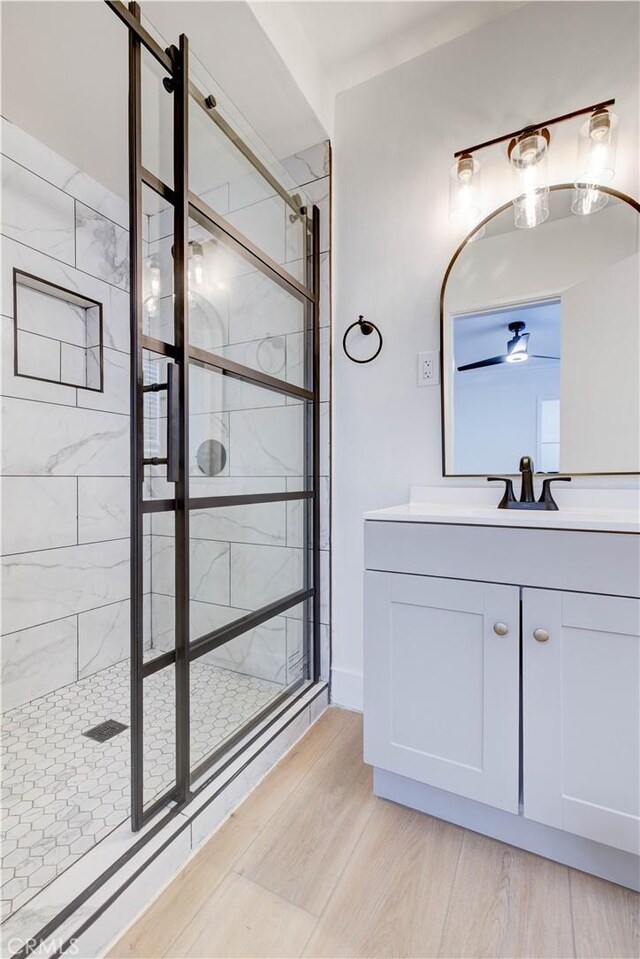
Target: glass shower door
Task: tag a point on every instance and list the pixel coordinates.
(225, 437)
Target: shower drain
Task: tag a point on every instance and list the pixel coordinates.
(105, 730)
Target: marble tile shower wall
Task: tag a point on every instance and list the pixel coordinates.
(65, 451)
(243, 557)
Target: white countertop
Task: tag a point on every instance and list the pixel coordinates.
(608, 510)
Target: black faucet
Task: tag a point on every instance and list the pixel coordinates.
(527, 498)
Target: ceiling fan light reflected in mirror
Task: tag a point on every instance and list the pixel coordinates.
(517, 350)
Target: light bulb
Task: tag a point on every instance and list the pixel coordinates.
(464, 193)
(528, 157)
(596, 162)
(196, 262)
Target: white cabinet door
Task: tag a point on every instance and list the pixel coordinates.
(582, 714)
(441, 685)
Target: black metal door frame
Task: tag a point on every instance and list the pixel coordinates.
(186, 205)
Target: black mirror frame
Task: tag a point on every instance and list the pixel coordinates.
(505, 206)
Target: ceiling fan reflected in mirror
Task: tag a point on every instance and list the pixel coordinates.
(517, 350)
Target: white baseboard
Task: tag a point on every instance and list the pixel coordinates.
(346, 689)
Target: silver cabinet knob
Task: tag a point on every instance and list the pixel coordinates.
(500, 629)
(541, 635)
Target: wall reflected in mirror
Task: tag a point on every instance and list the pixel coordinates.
(541, 344)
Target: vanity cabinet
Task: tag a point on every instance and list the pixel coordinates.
(442, 687)
(504, 706)
(581, 714)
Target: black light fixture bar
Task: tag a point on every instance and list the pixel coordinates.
(218, 637)
(236, 370)
(535, 126)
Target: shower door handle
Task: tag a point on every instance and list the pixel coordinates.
(173, 453)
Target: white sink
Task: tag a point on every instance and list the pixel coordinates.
(610, 510)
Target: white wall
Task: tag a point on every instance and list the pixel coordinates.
(394, 140)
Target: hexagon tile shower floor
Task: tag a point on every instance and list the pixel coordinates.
(63, 792)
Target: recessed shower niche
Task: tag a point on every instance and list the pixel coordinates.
(57, 334)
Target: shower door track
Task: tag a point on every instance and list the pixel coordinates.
(187, 205)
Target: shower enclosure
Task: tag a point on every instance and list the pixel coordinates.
(225, 431)
(146, 648)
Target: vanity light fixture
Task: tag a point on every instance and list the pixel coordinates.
(596, 161)
(464, 192)
(196, 263)
(528, 152)
(528, 156)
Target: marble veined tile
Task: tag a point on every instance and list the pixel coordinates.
(49, 316)
(325, 289)
(103, 637)
(209, 569)
(264, 574)
(38, 356)
(325, 439)
(20, 386)
(203, 427)
(42, 439)
(73, 364)
(38, 660)
(211, 392)
(102, 247)
(267, 355)
(208, 317)
(256, 523)
(114, 397)
(43, 161)
(115, 301)
(38, 512)
(267, 442)
(249, 189)
(309, 164)
(264, 224)
(318, 193)
(296, 658)
(51, 584)
(258, 308)
(36, 213)
(260, 652)
(103, 508)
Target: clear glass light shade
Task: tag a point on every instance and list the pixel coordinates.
(588, 199)
(528, 157)
(464, 193)
(597, 149)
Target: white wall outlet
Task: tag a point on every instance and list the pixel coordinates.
(429, 368)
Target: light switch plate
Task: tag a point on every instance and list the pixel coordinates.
(429, 368)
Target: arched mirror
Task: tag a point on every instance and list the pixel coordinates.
(540, 339)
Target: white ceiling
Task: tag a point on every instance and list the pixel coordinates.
(355, 41)
(64, 64)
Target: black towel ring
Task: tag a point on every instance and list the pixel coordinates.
(366, 328)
